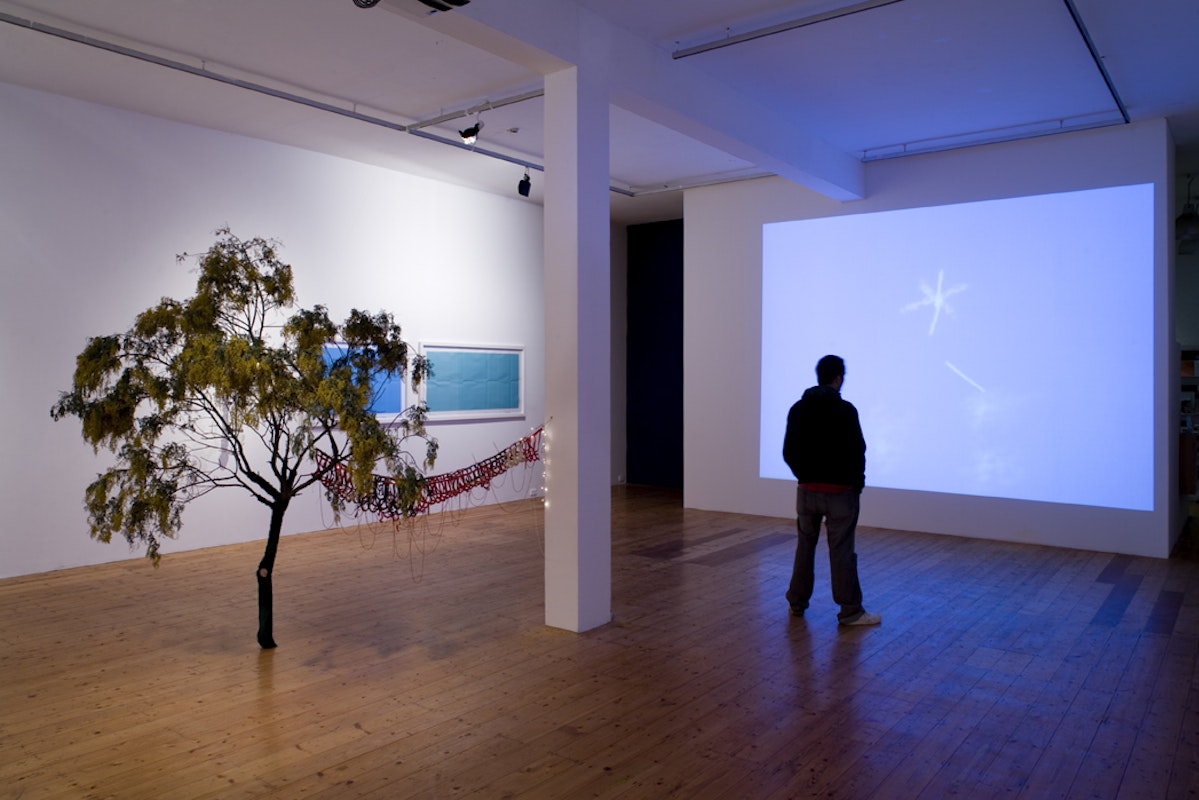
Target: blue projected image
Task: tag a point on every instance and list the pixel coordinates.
(1002, 348)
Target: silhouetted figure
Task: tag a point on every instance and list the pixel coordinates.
(826, 451)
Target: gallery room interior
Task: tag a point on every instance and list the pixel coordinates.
(657, 217)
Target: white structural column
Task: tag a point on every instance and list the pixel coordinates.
(578, 513)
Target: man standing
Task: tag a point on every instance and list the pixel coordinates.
(825, 450)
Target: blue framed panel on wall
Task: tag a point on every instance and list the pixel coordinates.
(474, 382)
(389, 395)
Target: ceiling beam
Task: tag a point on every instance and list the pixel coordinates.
(546, 35)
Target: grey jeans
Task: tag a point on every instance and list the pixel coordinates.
(839, 512)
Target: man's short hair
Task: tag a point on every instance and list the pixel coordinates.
(828, 369)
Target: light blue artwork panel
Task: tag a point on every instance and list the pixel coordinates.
(473, 382)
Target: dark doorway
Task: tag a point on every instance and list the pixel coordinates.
(654, 446)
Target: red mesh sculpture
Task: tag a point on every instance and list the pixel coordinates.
(384, 500)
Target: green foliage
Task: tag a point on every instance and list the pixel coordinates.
(226, 389)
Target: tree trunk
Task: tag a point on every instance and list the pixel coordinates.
(266, 636)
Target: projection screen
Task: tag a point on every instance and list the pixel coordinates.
(1000, 348)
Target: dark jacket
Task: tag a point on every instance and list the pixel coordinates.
(824, 442)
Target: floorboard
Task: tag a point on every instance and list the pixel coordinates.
(416, 663)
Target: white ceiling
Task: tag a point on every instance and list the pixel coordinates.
(903, 77)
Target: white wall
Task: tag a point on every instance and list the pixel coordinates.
(95, 203)
(722, 302)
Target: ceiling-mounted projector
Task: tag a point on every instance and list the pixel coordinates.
(420, 6)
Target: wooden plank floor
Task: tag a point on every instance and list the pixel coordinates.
(999, 670)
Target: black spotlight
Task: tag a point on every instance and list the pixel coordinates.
(366, 3)
(471, 134)
(524, 185)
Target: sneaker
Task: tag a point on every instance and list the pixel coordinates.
(796, 611)
(865, 618)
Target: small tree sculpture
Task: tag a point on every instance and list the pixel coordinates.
(222, 391)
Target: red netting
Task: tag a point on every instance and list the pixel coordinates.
(384, 499)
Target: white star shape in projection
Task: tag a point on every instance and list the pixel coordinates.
(938, 299)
